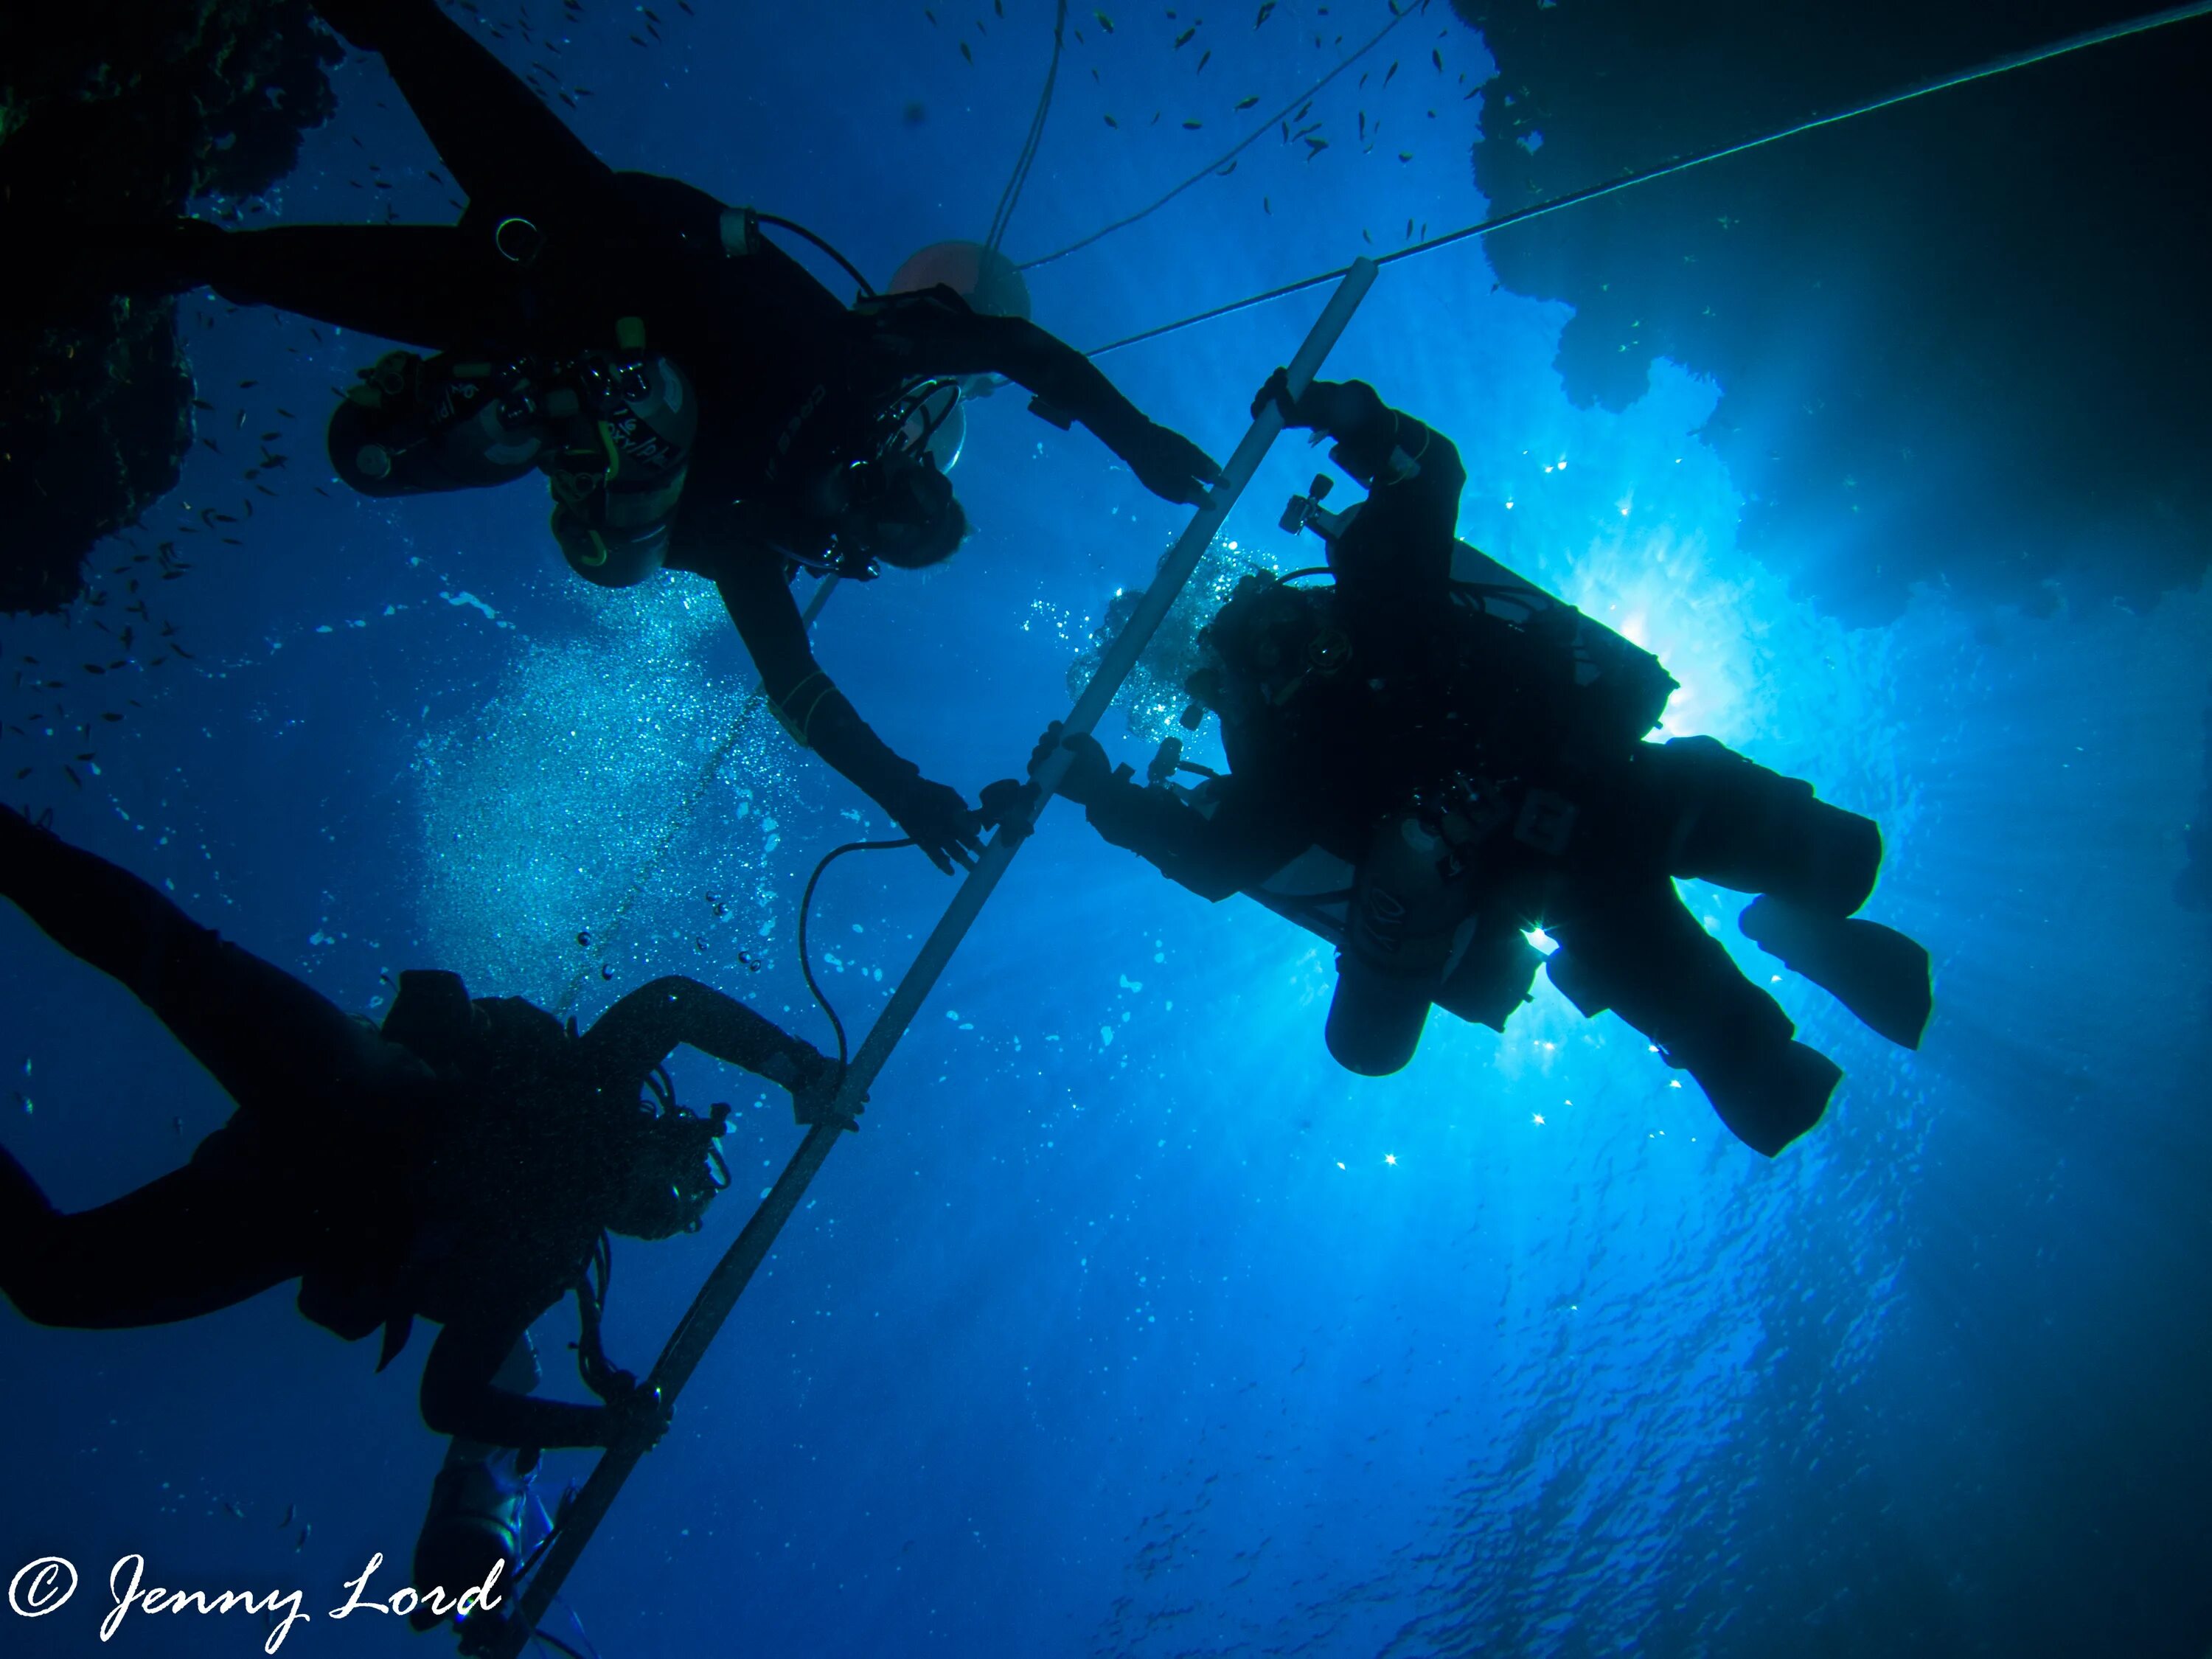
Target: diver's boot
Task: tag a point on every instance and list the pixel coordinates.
(1768, 1096)
(1875, 971)
(475, 1525)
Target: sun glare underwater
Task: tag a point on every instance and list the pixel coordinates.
(1129, 1323)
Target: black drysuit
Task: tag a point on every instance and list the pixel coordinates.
(389, 1186)
(787, 377)
(1427, 689)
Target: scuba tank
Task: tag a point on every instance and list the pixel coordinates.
(612, 431)
(414, 426)
(618, 482)
(1408, 899)
(1620, 689)
(472, 1537)
(1616, 691)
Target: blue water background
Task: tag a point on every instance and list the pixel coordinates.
(1130, 1325)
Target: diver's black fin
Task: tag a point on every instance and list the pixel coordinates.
(397, 1329)
(1769, 1096)
(1877, 972)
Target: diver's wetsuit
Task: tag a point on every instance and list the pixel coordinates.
(787, 378)
(468, 1184)
(1319, 758)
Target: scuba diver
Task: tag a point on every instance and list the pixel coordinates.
(699, 401)
(463, 1164)
(1432, 759)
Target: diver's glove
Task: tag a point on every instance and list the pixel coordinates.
(814, 1092)
(1010, 807)
(635, 1416)
(1168, 464)
(941, 823)
(1331, 407)
(1091, 776)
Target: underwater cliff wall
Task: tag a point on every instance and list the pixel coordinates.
(118, 112)
(1961, 341)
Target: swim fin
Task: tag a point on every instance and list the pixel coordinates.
(1877, 972)
(1767, 1098)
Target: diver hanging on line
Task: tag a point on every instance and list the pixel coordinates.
(1432, 757)
(699, 401)
(463, 1164)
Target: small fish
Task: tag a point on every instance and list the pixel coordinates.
(1104, 21)
(1111, 122)
(1437, 56)
(291, 1511)
(306, 1532)
(1183, 39)
(1204, 59)
(1247, 103)
(1393, 70)
(1267, 9)
(1191, 126)
(964, 53)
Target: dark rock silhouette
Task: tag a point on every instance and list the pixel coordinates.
(1962, 342)
(112, 111)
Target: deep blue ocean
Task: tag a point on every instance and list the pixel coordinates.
(1129, 1324)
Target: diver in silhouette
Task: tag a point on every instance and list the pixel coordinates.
(699, 401)
(462, 1164)
(1433, 758)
